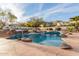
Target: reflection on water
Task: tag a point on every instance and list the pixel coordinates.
(48, 38)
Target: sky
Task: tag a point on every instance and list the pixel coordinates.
(49, 11)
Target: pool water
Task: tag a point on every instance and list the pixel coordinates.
(47, 38)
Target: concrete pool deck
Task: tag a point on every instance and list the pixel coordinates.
(18, 48)
(73, 40)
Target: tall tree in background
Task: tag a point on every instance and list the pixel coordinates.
(35, 22)
(2, 15)
(75, 20)
(6, 14)
(11, 17)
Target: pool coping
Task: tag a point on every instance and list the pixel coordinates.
(52, 49)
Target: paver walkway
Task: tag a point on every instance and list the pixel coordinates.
(10, 47)
(18, 48)
(73, 40)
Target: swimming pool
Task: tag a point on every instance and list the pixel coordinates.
(46, 38)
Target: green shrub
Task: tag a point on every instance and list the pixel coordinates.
(70, 28)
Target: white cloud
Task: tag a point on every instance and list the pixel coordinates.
(18, 10)
(49, 11)
(15, 9)
(45, 11)
(57, 9)
(72, 9)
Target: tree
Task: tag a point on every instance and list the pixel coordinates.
(11, 17)
(2, 14)
(35, 22)
(1, 24)
(6, 15)
(74, 20)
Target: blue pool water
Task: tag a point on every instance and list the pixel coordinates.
(47, 38)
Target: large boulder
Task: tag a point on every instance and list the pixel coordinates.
(64, 35)
(26, 39)
(65, 46)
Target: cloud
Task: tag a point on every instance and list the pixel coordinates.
(16, 9)
(12, 7)
(72, 9)
(57, 9)
(19, 10)
(47, 12)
